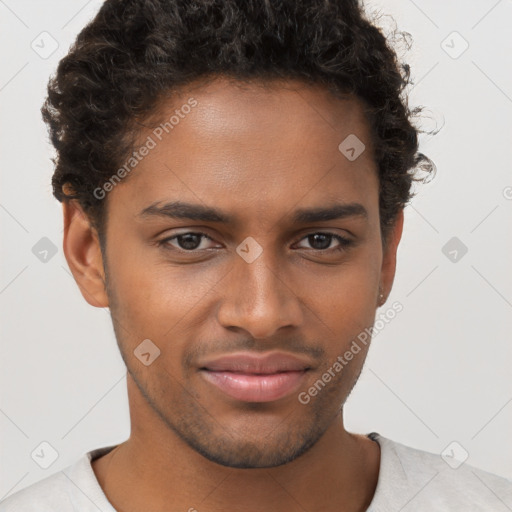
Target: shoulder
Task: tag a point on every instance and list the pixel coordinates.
(49, 494)
(75, 488)
(416, 480)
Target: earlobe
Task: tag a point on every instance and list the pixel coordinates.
(83, 253)
(389, 256)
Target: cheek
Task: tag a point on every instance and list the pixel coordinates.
(154, 298)
(345, 305)
(344, 295)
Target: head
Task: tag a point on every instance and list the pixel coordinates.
(233, 177)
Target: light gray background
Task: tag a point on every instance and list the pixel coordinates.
(439, 372)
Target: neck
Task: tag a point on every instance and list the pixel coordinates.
(155, 470)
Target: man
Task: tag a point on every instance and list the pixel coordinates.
(233, 177)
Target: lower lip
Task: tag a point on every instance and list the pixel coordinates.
(255, 388)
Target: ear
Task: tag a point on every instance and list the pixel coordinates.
(83, 253)
(389, 255)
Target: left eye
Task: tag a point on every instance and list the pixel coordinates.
(192, 241)
(322, 241)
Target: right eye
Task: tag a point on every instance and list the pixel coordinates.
(185, 242)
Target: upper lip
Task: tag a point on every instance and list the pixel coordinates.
(245, 362)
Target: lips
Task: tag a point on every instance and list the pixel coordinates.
(256, 378)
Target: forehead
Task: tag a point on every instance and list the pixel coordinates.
(253, 144)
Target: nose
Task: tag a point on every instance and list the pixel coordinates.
(259, 298)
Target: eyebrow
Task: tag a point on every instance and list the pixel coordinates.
(198, 212)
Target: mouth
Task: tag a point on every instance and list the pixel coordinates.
(255, 387)
(251, 378)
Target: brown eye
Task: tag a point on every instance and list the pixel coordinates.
(190, 241)
(322, 241)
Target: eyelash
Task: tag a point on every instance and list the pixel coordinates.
(344, 243)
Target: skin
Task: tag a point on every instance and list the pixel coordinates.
(257, 154)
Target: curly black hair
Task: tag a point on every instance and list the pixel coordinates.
(136, 52)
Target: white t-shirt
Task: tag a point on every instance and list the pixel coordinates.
(410, 480)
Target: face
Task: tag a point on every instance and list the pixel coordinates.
(245, 231)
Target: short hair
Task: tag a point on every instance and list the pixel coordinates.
(136, 52)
